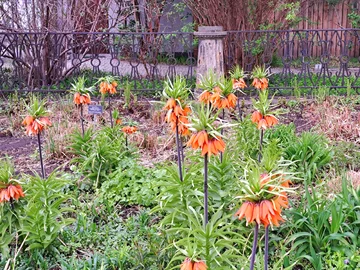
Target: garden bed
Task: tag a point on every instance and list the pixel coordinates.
(118, 218)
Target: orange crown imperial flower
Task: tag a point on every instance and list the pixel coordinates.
(177, 116)
(103, 88)
(265, 212)
(35, 126)
(11, 192)
(205, 97)
(232, 100)
(106, 87)
(264, 122)
(208, 145)
(188, 264)
(129, 129)
(82, 99)
(260, 84)
(239, 83)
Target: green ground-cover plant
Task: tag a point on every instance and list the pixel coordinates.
(131, 183)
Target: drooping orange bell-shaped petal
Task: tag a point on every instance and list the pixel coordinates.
(271, 120)
(205, 97)
(246, 210)
(257, 83)
(215, 99)
(264, 83)
(178, 111)
(238, 83)
(187, 264)
(200, 265)
(256, 117)
(262, 124)
(28, 120)
(45, 122)
(112, 89)
(77, 98)
(232, 100)
(170, 104)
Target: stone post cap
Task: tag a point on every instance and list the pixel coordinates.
(210, 32)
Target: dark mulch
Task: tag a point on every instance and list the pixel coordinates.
(24, 153)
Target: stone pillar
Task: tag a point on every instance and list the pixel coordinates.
(211, 50)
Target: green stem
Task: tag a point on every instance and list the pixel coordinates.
(206, 218)
(253, 252)
(266, 256)
(82, 119)
(179, 157)
(111, 118)
(41, 159)
(261, 144)
(222, 132)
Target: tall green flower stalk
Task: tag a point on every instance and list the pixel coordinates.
(264, 118)
(108, 86)
(264, 197)
(206, 137)
(35, 122)
(238, 76)
(81, 97)
(176, 92)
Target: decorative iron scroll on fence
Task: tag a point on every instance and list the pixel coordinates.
(43, 62)
(302, 58)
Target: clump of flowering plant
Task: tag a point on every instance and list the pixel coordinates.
(264, 197)
(178, 110)
(206, 137)
(207, 84)
(10, 189)
(176, 92)
(81, 97)
(264, 116)
(206, 134)
(129, 128)
(35, 122)
(238, 76)
(223, 96)
(260, 76)
(108, 84)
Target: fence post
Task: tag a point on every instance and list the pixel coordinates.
(211, 50)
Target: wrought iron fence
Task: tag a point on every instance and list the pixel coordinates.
(44, 61)
(297, 58)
